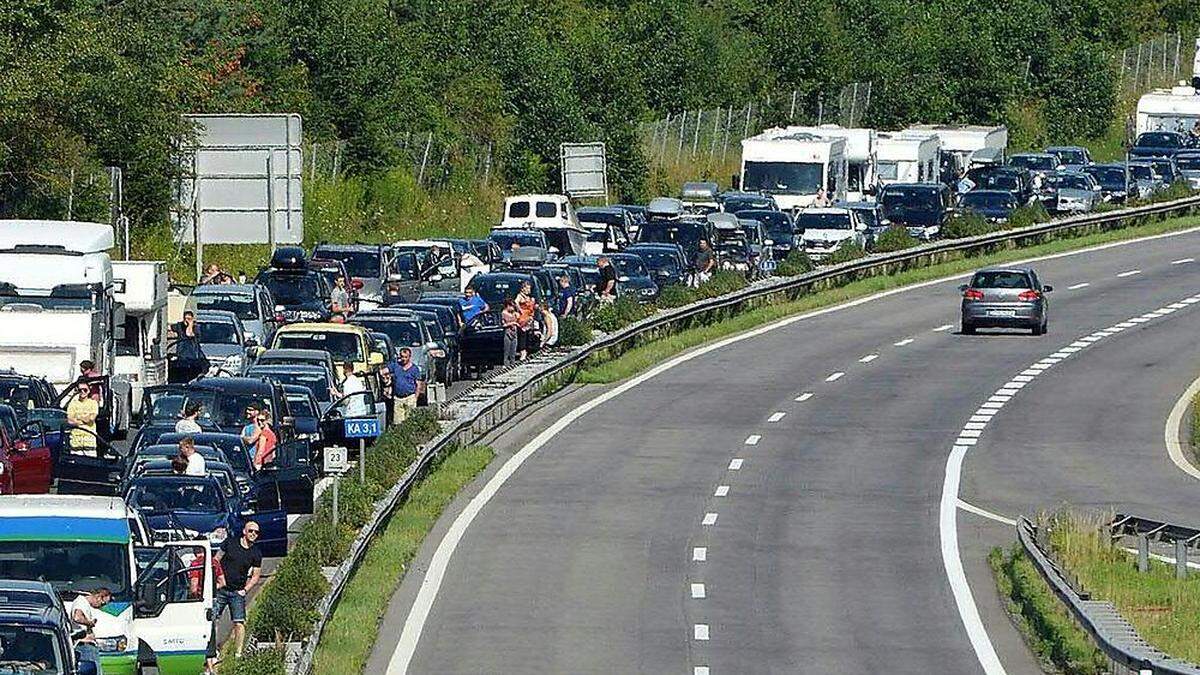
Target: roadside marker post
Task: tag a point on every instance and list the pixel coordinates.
(336, 463)
(361, 428)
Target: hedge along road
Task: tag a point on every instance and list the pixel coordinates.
(677, 526)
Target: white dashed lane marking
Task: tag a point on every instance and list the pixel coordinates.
(1128, 273)
(698, 591)
(804, 397)
(700, 631)
(835, 377)
(700, 670)
(905, 341)
(1182, 261)
(776, 417)
(868, 358)
(1078, 286)
(699, 554)
(735, 464)
(753, 439)
(721, 491)
(710, 518)
(943, 327)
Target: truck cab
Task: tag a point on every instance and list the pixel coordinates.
(59, 308)
(162, 593)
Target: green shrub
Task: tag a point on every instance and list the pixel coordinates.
(572, 332)
(846, 252)
(966, 224)
(895, 238)
(258, 661)
(287, 606)
(721, 282)
(1177, 190)
(618, 314)
(796, 262)
(1025, 216)
(676, 295)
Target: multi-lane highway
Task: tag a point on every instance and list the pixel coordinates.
(791, 500)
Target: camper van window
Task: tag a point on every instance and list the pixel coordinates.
(546, 210)
(518, 210)
(131, 344)
(888, 170)
(793, 178)
(854, 177)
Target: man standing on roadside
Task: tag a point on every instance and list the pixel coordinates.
(704, 264)
(406, 384)
(606, 287)
(471, 304)
(241, 562)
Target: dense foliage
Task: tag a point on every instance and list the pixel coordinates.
(86, 84)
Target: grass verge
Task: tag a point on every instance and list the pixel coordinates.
(351, 632)
(1194, 429)
(1040, 617)
(1164, 610)
(644, 356)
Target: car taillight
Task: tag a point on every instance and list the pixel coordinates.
(1029, 296)
(972, 294)
(280, 317)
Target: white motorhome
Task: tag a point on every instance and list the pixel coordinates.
(793, 166)
(141, 359)
(964, 145)
(1174, 109)
(906, 159)
(58, 307)
(860, 155)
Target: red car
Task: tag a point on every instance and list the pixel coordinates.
(26, 465)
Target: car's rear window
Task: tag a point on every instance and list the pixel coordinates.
(1001, 280)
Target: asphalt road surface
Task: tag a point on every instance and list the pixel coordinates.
(776, 504)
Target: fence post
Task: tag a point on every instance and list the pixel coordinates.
(662, 155)
(1181, 571)
(696, 134)
(853, 104)
(1165, 39)
(487, 164)
(682, 124)
(712, 142)
(1137, 69)
(820, 109)
(728, 122)
(746, 127)
(1143, 563)
(792, 110)
(424, 158)
(312, 165)
(337, 158)
(1178, 44)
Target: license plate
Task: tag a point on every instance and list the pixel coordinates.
(1002, 312)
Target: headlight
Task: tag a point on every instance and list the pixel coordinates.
(646, 291)
(437, 353)
(116, 643)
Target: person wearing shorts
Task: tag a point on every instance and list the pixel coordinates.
(241, 562)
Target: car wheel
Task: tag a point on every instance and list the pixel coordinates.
(968, 329)
(1040, 329)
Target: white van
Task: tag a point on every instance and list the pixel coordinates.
(162, 594)
(531, 211)
(141, 358)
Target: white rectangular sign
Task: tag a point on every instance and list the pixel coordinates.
(337, 459)
(584, 169)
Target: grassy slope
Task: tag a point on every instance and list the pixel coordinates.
(350, 634)
(641, 358)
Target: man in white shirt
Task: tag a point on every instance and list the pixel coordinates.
(195, 461)
(82, 611)
(356, 406)
(187, 424)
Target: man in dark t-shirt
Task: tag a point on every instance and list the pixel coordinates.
(606, 287)
(241, 562)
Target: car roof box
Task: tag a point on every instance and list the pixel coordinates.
(665, 207)
(528, 256)
(289, 258)
(700, 190)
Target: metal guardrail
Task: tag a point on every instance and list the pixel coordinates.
(1112, 634)
(488, 416)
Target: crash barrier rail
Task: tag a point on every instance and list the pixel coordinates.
(479, 421)
(1125, 649)
(1145, 530)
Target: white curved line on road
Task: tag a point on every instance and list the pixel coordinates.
(431, 584)
(1174, 422)
(990, 515)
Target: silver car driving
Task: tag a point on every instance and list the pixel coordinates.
(1005, 297)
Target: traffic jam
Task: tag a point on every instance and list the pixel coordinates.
(158, 440)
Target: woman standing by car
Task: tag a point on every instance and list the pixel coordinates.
(525, 309)
(510, 320)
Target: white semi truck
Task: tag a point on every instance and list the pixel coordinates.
(793, 166)
(58, 308)
(141, 359)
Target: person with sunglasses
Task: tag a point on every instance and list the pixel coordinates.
(241, 563)
(82, 411)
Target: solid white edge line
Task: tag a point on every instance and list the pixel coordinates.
(971, 508)
(418, 613)
(1171, 433)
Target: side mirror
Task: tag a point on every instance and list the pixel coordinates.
(288, 422)
(436, 278)
(622, 278)
(375, 359)
(356, 284)
(768, 242)
(20, 446)
(1047, 288)
(553, 249)
(963, 287)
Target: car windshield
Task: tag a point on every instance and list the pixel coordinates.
(823, 221)
(1035, 162)
(659, 260)
(1110, 176)
(1070, 156)
(786, 178)
(1000, 279)
(169, 494)
(630, 267)
(216, 333)
(868, 216)
(404, 265)
(495, 290)
(358, 263)
(341, 346)
(223, 409)
(1158, 139)
(506, 239)
(1071, 183)
(301, 406)
(600, 218)
(402, 333)
(1142, 172)
(29, 649)
(69, 566)
(988, 200)
(908, 199)
(685, 234)
(317, 383)
(243, 306)
(290, 288)
(776, 223)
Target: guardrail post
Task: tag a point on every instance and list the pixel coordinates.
(1143, 553)
(1181, 571)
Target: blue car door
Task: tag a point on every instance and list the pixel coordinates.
(272, 522)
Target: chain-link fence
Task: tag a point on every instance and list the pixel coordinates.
(435, 161)
(713, 134)
(1158, 63)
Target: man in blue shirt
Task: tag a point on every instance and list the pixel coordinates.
(407, 383)
(472, 305)
(566, 296)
